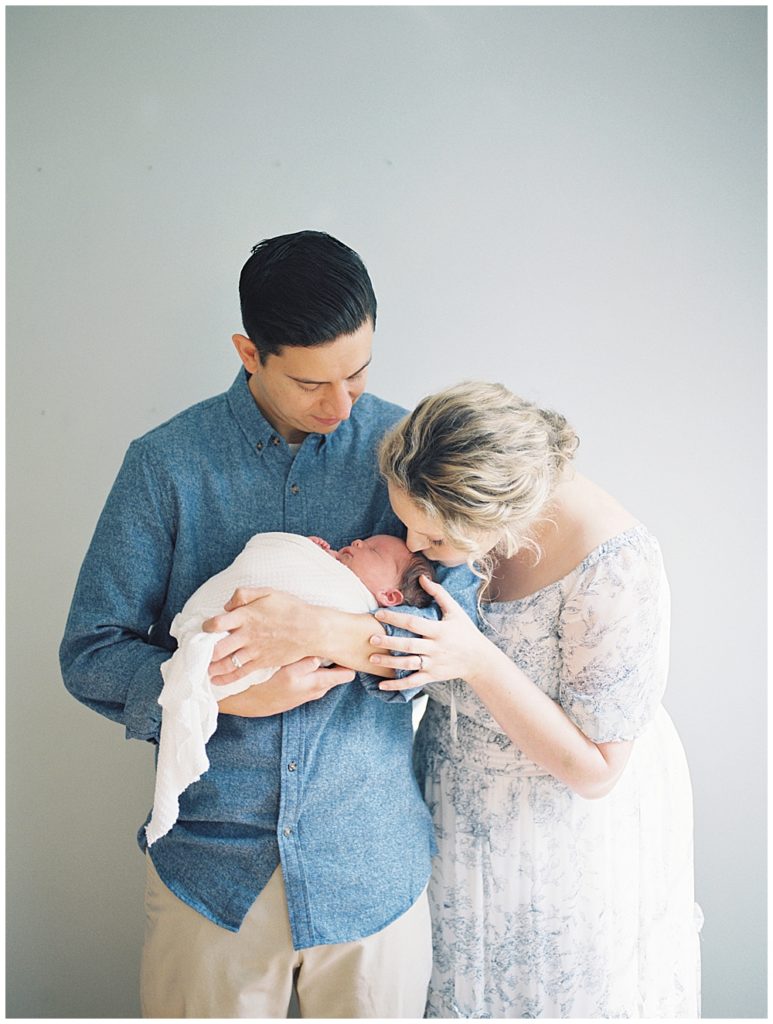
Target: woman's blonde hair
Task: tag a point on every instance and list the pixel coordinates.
(480, 460)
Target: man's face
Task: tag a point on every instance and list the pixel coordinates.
(380, 562)
(311, 390)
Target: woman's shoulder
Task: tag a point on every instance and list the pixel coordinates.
(632, 549)
(607, 534)
(586, 529)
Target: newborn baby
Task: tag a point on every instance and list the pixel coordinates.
(358, 578)
(387, 567)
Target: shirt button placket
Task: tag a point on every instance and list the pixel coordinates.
(290, 799)
(294, 505)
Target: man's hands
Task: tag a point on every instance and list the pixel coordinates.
(288, 688)
(265, 627)
(269, 627)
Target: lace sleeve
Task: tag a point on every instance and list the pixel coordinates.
(613, 640)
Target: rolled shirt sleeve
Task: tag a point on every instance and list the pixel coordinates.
(462, 584)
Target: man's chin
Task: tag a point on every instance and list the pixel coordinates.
(325, 426)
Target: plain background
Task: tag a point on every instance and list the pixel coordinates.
(567, 199)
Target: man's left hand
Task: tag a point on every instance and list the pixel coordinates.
(265, 628)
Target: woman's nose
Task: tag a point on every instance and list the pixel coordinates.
(415, 541)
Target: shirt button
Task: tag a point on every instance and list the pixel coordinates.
(292, 766)
(259, 446)
(295, 489)
(275, 440)
(287, 831)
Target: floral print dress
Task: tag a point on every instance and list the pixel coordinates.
(546, 904)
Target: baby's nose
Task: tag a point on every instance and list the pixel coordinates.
(356, 543)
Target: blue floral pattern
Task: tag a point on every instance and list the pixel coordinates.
(546, 904)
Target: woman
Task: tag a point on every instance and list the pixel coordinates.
(558, 785)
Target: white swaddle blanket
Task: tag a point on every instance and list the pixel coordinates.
(188, 699)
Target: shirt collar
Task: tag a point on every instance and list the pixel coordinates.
(255, 427)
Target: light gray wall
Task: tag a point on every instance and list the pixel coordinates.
(569, 199)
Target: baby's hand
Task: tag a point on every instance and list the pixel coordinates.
(321, 543)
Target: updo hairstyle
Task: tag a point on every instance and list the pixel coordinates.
(479, 459)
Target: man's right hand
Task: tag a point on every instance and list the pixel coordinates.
(288, 688)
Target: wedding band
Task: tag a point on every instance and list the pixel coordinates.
(236, 662)
(421, 663)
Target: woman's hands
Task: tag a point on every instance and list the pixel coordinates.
(265, 627)
(454, 648)
(288, 688)
(449, 649)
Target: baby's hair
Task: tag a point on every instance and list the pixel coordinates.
(413, 592)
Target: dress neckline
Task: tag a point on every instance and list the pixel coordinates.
(617, 540)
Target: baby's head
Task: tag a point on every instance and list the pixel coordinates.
(389, 570)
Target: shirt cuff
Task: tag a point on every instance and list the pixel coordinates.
(371, 682)
(142, 715)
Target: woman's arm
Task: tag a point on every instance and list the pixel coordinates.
(538, 725)
(270, 627)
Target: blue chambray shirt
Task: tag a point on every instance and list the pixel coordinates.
(325, 789)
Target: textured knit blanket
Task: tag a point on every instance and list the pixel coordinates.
(284, 561)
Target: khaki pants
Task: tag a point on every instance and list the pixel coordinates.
(193, 968)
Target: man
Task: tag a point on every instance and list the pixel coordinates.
(303, 852)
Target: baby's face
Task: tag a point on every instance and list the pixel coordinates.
(380, 561)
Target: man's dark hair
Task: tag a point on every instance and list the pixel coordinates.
(413, 592)
(304, 289)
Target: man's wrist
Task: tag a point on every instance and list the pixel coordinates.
(319, 631)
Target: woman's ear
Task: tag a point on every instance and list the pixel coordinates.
(248, 353)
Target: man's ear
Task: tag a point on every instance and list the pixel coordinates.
(248, 353)
(388, 598)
